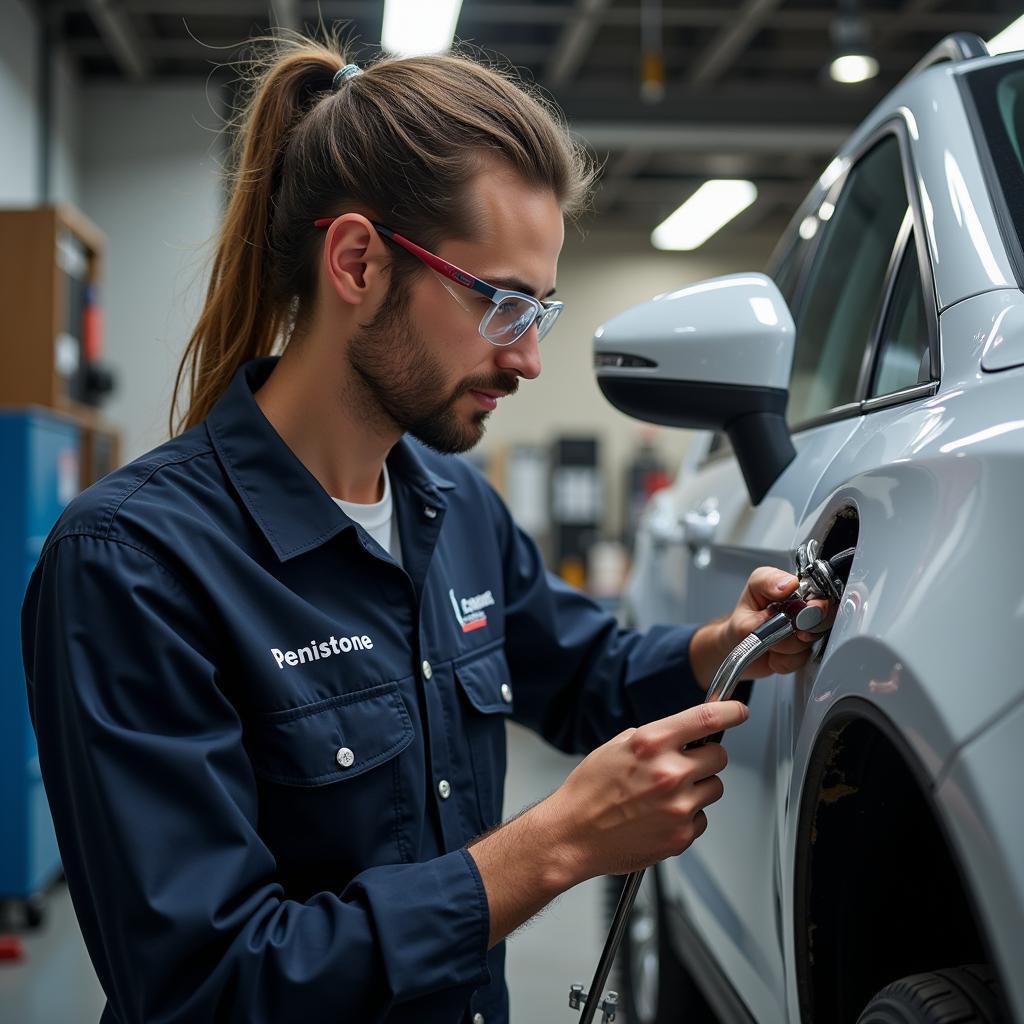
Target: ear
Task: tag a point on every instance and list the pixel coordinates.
(354, 256)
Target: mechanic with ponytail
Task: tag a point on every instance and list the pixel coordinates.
(270, 662)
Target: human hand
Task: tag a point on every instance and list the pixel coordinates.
(766, 586)
(640, 798)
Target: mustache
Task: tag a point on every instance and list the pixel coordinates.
(507, 382)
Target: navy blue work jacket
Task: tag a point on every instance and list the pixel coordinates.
(266, 745)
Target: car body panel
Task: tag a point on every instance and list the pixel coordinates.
(980, 795)
(725, 877)
(929, 633)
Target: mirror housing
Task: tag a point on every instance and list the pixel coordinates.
(711, 356)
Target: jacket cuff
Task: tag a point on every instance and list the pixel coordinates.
(433, 922)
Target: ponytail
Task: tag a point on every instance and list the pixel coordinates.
(242, 317)
(402, 140)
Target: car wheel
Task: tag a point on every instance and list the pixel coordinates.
(654, 987)
(967, 995)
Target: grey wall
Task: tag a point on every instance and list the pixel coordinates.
(150, 171)
(21, 114)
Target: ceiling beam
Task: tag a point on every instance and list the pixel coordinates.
(963, 18)
(822, 140)
(730, 40)
(185, 46)
(905, 19)
(119, 34)
(577, 35)
(766, 104)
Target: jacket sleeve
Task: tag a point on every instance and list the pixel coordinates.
(155, 805)
(579, 678)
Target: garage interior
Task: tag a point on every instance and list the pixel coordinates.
(112, 127)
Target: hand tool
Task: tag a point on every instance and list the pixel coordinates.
(819, 578)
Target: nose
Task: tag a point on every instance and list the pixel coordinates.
(523, 356)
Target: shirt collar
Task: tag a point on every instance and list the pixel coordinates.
(287, 502)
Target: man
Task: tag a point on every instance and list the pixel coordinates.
(270, 663)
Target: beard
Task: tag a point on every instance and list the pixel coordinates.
(402, 383)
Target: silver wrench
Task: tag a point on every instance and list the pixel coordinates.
(818, 579)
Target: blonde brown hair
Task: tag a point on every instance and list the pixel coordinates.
(399, 142)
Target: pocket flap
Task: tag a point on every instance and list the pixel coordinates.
(486, 682)
(334, 739)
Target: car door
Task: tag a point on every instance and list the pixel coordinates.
(837, 278)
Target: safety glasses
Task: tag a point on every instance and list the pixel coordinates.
(509, 315)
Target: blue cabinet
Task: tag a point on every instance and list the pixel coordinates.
(39, 469)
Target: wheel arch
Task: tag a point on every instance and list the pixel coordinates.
(878, 890)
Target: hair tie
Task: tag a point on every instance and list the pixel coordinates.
(342, 76)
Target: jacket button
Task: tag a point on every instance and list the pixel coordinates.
(427, 670)
(444, 788)
(430, 513)
(478, 1018)
(506, 693)
(345, 757)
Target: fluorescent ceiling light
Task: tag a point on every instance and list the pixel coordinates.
(853, 67)
(413, 27)
(711, 207)
(1011, 38)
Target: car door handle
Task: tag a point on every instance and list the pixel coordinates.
(700, 525)
(665, 528)
(699, 528)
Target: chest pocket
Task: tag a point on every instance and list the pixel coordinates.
(334, 739)
(332, 785)
(488, 701)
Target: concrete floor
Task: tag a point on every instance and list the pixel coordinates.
(55, 984)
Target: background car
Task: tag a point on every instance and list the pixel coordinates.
(868, 393)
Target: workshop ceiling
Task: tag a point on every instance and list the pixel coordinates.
(746, 87)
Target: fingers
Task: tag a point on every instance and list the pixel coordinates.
(695, 723)
(705, 793)
(704, 762)
(768, 584)
(700, 824)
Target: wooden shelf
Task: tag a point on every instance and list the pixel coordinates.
(34, 297)
(46, 253)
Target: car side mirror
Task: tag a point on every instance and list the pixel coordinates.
(711, 356)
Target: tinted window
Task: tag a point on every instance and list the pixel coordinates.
(999, 96)
(787, 273)
(845, 283)
(903, 354)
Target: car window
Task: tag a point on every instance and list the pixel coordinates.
(844, 289)
(787, 273)
(999, 97)
(903, 353)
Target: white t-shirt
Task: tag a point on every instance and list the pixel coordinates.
(377, 520)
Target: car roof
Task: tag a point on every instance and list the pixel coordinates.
(950, 190)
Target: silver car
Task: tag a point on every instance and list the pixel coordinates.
(867, 861)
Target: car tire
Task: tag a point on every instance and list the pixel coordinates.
(654, 987)
(965, 995)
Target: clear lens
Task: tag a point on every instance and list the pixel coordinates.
(547, 319)
(509, 320)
